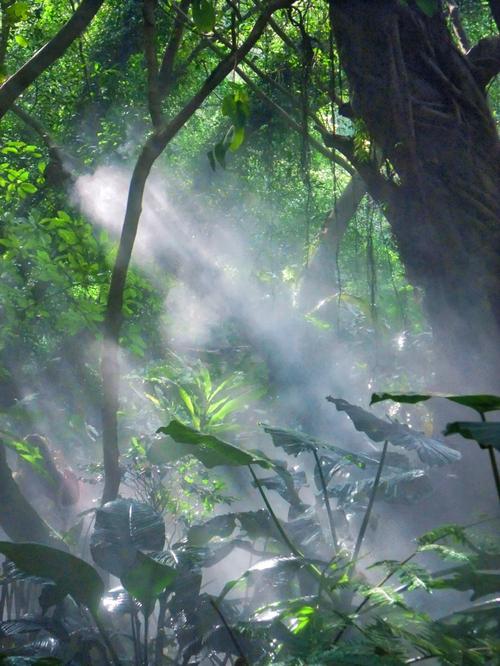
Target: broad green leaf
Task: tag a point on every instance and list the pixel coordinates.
(146, 580)
(209, 450)
(220, 150)
(220, 526)
(122, 528)
(21, 41)
(485, 434)
(72, 575)
(429, 450)
(481, 403)
(295, 442)
(204, 15)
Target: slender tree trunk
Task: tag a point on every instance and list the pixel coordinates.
(424, 105)
(319, 279)
(151, 150)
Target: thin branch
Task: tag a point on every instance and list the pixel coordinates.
(458, 27)
(48, 54)
(167, 65)
(55, 152)
(485, 60)
(148, 13)
(4, 36)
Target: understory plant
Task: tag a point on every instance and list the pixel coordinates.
(310, 592)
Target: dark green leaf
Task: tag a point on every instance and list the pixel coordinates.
(429, 7)
(485, 434)
(122, 528)
(71, 574)
(204, 15)
(147, 579)
(481, 403)
(430, 451)
(209, 450)
(295, 442)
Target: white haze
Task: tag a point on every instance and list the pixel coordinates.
(180, 233)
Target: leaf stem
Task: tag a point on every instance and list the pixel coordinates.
(105, 638)
(310, 567)
(229, 631)
(326, 500)
(367, 515)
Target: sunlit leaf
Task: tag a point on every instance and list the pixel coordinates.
(209, 450)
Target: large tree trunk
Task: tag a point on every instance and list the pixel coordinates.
(18, 518)
(425, 106)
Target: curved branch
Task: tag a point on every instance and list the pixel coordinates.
(484, 58)
(48, 54)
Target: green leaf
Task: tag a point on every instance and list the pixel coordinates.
(186, 398)
(146, 580)
(429, 7)
(485, 434)
(481, 403)
(29, 188)
(204, 15)
(429, 450)
(18, 11)
(209, 450)
(220, 526)
(220, 150)
(28, 452)
(237, 138)
(72, 575)
(122, 528)
(21, 41)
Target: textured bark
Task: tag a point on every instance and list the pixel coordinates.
(48, 54)
(426, 110)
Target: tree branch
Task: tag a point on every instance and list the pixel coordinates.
(151, 150)
(148, 13)
(484, 58)
(458, 28)
(48, 54)
(167, 65)
(58, 159)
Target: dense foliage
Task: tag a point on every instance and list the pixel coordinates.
(214, 213)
